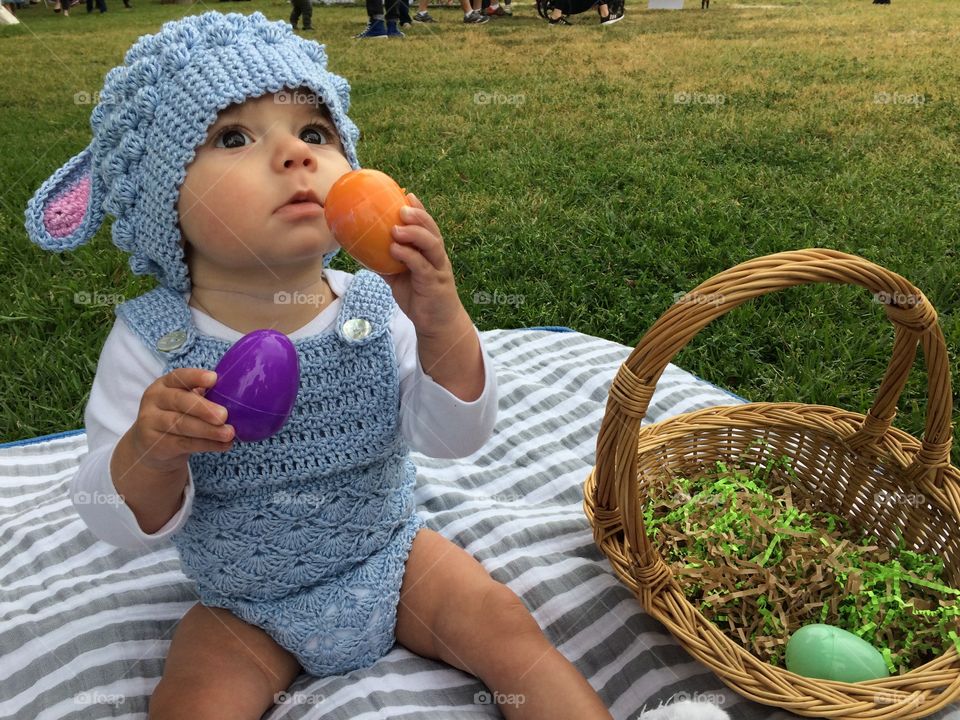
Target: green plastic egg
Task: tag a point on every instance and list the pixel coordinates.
(830, 653)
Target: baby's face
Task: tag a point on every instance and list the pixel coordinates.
(239, 206)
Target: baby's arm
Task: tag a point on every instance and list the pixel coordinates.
(447, 343)
(125, 370)
(434, 421)
(149, 464)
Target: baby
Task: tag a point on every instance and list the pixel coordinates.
(214, 146)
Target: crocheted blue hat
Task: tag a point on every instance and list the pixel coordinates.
(153, 112)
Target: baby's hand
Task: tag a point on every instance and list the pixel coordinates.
(447, 343)
(175, 420)
(427, 294)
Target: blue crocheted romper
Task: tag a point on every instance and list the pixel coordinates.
(305, 534)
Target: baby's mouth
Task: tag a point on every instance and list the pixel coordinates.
(303, 206)
(303, 196)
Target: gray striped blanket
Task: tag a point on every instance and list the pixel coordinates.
(85, 627)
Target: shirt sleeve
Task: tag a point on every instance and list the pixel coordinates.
(125, 369)
(433, 420)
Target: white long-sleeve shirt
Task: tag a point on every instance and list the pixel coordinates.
(433, 421)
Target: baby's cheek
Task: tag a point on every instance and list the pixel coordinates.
(189, 208)
(193, 225)
(203, 204)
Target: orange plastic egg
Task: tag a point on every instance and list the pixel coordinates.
(360, 209)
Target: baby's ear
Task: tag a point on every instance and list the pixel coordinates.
(65, 213)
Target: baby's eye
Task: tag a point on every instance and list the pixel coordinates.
(315, 134)
(231, 138)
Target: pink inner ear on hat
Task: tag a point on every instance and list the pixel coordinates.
(64, 214)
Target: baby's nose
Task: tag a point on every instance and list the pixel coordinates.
(294, 153)
(298, 159)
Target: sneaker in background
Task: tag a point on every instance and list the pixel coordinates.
(612, 18)
(475, 18)
(374, 29)
(423, 17)
(562, 20)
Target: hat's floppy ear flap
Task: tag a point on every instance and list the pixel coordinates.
(67, 210)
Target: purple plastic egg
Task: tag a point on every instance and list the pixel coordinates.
(257, 382)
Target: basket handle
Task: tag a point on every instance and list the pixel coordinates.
(915, 321)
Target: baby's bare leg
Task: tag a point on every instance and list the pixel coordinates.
(220, 667)
(451, 609)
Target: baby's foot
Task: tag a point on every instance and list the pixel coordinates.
(686, 710)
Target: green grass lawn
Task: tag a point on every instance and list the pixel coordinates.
(582, 176)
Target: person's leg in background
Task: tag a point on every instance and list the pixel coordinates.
(376, 27)
(295, 13)
(306, 11)
(606, 16)
(393, 18)
(403, 14)
(422, 14)
(471, 12)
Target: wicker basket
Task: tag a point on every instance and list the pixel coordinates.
(842, 459)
